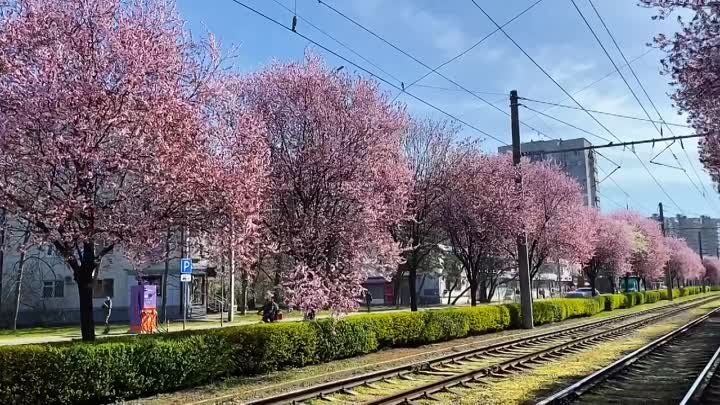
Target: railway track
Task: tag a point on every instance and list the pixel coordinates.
(467, 366)
(658, 373)
(706, 388)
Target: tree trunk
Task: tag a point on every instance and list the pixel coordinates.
(18, 289)
(87, 320)
(473, 292)
(412, 279)
(397, 281)
(644, 283)
(243, 292)
(84, 278)
(483, 291)
(592, 279)
(460, 295)
(451, 290)
(612, 284)
(21, 270)
(166, 274)
(2, 253)
(627, 282)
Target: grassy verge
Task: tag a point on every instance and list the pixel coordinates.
(244, 388)
(525, 388)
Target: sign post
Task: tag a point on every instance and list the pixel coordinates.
(185, 278)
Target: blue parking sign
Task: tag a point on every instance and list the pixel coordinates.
(185, 266)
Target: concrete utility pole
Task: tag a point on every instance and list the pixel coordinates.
(668, 281)
(523, 265)
(700, 245)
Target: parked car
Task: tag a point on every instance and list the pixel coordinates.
(584, 292)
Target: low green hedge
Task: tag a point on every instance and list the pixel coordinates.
(112, 369)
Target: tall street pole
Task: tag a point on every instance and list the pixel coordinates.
(523, 266)
(668, 281)
(231, 307)
(700, 249)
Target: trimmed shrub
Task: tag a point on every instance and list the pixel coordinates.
(602, 301)
(268, 347)
(487, 318)
(689, 291)
(615, 301)
(129, 367)
(441, 325)
(651, 296)
(634, 298)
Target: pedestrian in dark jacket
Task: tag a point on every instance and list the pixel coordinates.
(270, 310)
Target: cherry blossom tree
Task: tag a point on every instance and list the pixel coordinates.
(427, 146)
(481, 214)
(693, 62)
(101, 138)
(712, 270)
(684, 263)
(650, 252)
(557, 223)
(338, 179)
(613, 245)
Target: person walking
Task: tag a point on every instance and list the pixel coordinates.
(107, 309)
(270, 310)
(368, 299)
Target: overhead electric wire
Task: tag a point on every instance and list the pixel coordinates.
(632, 91)
(652, 176)
(421, 63)
(652, 103)
(545, 72)
(308, 22)
(454, 58)
(593, 83)
(566, 123)
(611, 114)
(238, 2)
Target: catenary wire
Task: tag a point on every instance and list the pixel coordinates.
(627, 84)
(704, 193)
(420, 62)
(660, 186)
(268, 18)
(611, 114)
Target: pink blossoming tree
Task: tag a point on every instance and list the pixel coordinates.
(481, 213)
(613, 245)
(650, 252)
(684, 264)
(100, 132)
(557, 223)
(427, 147)
(712, 270)
(693, 62)
(338, 179)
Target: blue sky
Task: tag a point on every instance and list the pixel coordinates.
(552, 32)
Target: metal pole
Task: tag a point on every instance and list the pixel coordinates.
(700, 249)
(183, 291)
(185, 287)
(231, 307)
(668, 280)
(523, 265)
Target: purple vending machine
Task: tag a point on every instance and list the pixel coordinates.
(143, 309)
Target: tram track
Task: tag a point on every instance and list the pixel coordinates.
(659, 373)
(706, 388)
(468, 366)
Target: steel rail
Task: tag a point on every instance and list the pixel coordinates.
(576, 390)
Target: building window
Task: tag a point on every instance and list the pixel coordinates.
(103, 288)
(53, 289)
